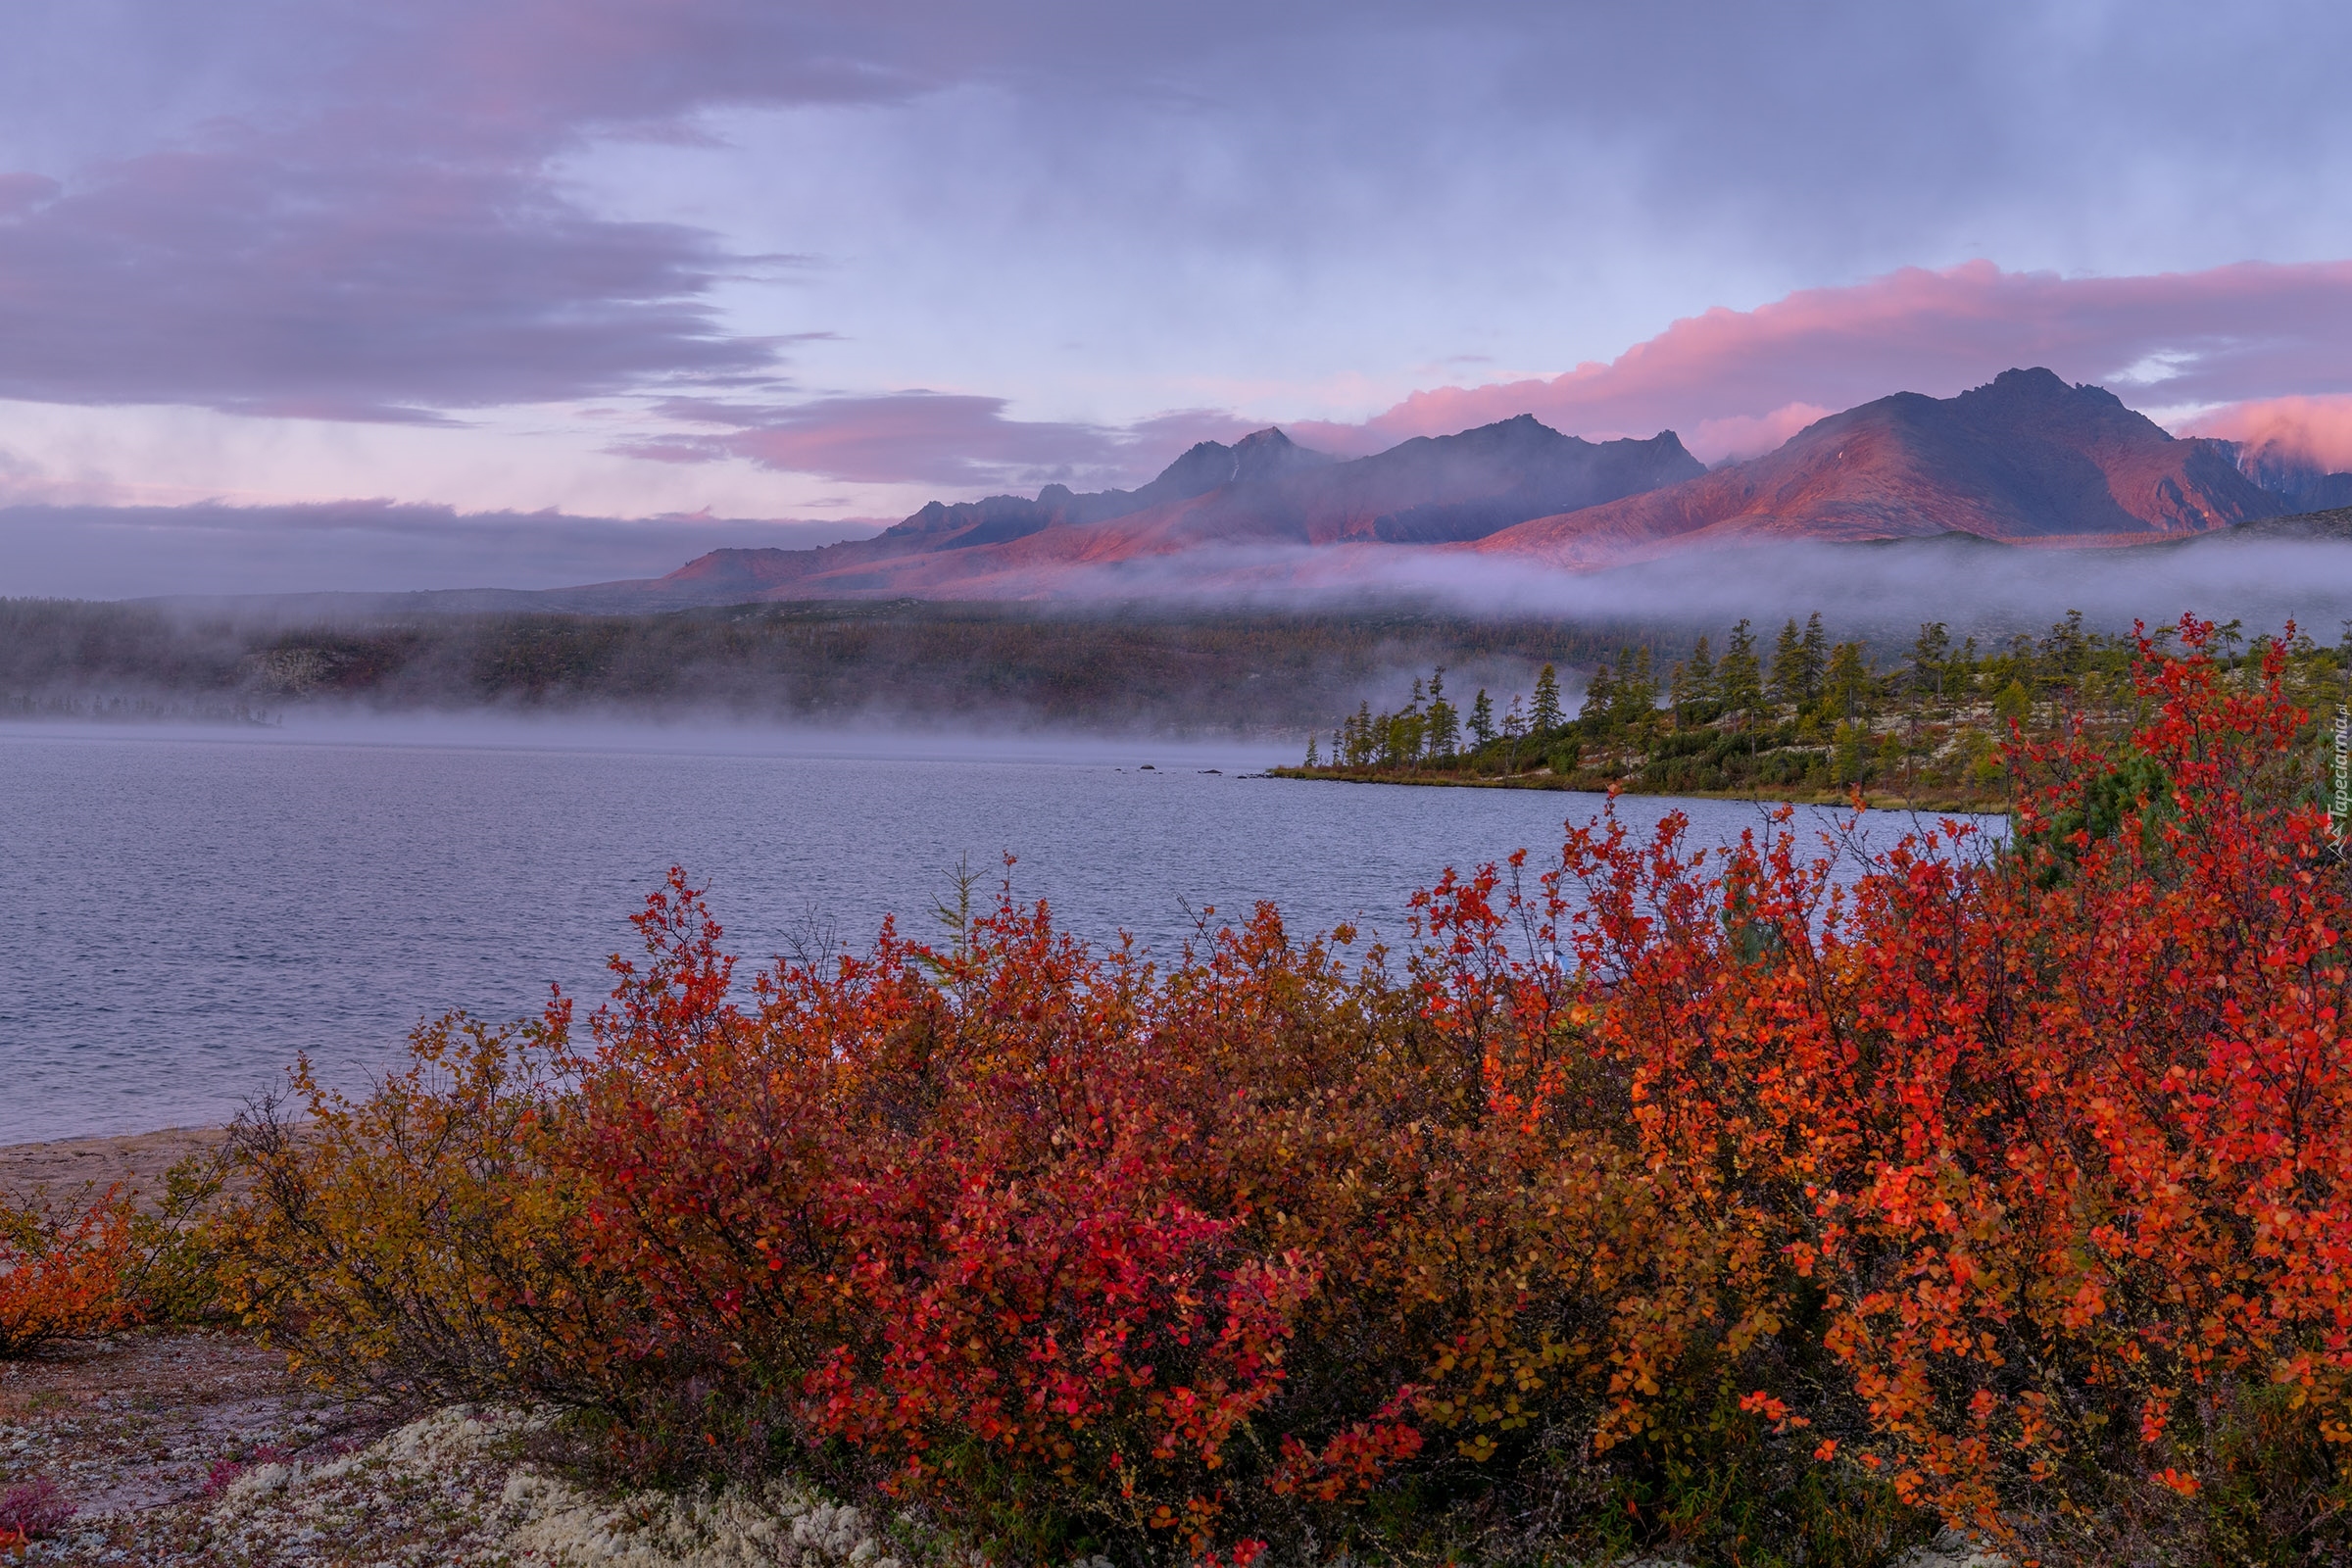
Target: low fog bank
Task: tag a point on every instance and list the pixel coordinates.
(921, 668)
(1880, 591)
(1252, 650)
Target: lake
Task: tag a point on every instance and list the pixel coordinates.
(185, 910)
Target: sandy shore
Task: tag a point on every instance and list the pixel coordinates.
(137, 1162)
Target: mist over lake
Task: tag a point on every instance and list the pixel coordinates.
(187, 908)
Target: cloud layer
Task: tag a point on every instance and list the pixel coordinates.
(708, 234)
(1737, 378)
(1733, 383)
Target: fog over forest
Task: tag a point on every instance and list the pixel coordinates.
(1239, 653)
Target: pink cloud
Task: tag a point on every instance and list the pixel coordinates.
(2252, 329)
(1745, 435)
(2317, 430)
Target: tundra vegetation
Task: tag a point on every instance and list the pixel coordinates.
(1717, 1202)
(1808, 720)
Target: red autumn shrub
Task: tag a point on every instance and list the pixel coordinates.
(1083, 1256)
(955, 1213)
(64, 1274)
(33, 1510)
(2062, 1138)
(1712, 1198)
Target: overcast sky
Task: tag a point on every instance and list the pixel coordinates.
(743, 264)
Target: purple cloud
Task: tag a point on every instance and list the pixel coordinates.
(378, 233)
(237, 277)
(936, 438)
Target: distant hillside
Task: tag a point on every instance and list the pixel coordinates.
(2027, 457)
(2024, 460)
(1264, 492)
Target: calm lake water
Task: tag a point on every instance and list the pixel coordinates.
(182, 911)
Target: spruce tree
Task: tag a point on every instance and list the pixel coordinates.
(1930, 655)
(1481, 718)
(1546, 716)
(1739, 678)
(1312, 760)
(1700, 673)
(1847, 683)
(1788, 667)
(1815, 647)
(1635, 697)
(1601, 699)
(1444, 724)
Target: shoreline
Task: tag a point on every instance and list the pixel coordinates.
(135, 1162)
(1569, 784)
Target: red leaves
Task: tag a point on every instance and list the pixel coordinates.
(2067, 1130)
(63, 1276)
(2006, 1179)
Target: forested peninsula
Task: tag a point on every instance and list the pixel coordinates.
(1808, 720)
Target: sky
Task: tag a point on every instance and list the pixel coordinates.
(317, 294)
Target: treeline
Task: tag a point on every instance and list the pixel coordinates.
(1807, 716)
(1136, 666)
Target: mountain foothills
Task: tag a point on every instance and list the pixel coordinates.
(1263, 496)
(2025, 460)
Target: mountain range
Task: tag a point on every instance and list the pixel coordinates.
(2025, 460)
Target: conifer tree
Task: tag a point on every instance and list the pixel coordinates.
(1847, 682)
(1739, 678)
(1788, 665)
(1312, 760)
(1930, 655)
(1816, 648)
(1700, 674)
(1444, 723)
(2065, 649)
(1481, 718)
(1601, 698)
(1635, 697)
(1547, 715)
(1799, 662)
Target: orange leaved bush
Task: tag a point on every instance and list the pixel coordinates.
(65, 1274)
(1720, 1197)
